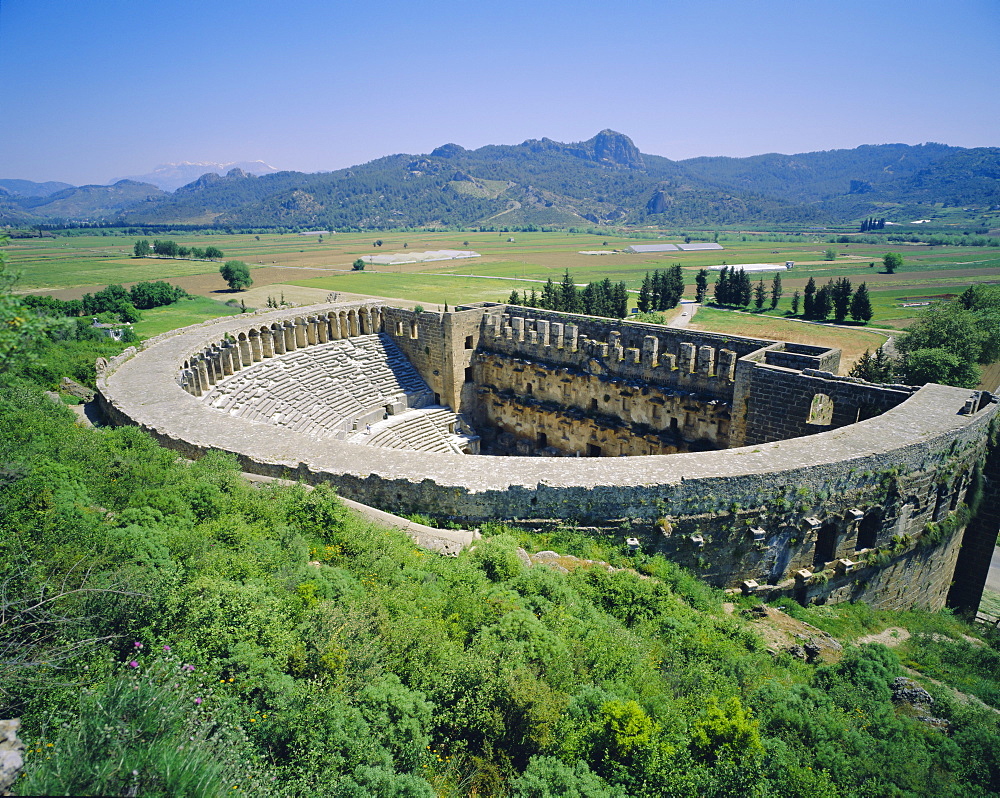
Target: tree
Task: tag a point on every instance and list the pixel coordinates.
(795, 303)
(861, 305)
(358, 265)
(701, 285)
(213, 253)
(142, 248)
(514, 298)
(722, 286)
(823, 302)
(775, 290)
(840, 294)
(877, 368)
(759, 294)
(830, 254)
(19, 327)
(236, 274)
(568, 296)
(645, 295)
(892, 261)
(809, 299)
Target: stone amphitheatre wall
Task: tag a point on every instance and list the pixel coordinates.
(874, 509)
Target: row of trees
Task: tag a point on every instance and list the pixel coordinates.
(837, 297)
(872, 223)
(602, 298)
(662, 291)
(171, 249)
(734, 288)
(116, 300)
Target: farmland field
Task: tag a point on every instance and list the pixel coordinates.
(307, 269)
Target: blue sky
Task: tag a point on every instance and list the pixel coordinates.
(96, 90)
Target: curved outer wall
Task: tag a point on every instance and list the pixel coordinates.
(873, 510)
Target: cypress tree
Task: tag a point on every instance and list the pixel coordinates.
(775, 290)
(514, 298)
(809, 299)
(795, 303)
(568, 295)
(550, 296)
(722, 287)
(759, 294)
(701, 285)
(861, 305)
(840, 293)
(645, 294)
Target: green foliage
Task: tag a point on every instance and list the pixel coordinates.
(359, 265)
(236, 274)
(19, 327)
(892, 261)
(146, 730)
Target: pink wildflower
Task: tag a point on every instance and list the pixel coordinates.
(137, 644)
(133, 664)
(197, 700)
(166, 649)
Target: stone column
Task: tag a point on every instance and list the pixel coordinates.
(323, 329)
(278, 339)
(246, 355)
(299, 326)
(266, 343)
(289, 330)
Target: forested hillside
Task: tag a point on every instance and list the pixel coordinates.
(604, 180)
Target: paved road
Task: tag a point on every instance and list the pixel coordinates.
(685, 311)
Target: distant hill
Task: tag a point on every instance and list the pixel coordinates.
(171, 176)
(92, 203)
(28, 188)
(604, 180)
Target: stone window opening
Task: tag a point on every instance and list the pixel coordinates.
(399, 328)
(413, 329)
(826, 545)
(529, 388)
(821, 410)
(868, 530)
(468, 342)
(543, 440)
(593, 404)
(468, 374)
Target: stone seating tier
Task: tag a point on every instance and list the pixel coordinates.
(325, 390)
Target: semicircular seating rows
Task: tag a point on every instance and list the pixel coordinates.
(337, 389)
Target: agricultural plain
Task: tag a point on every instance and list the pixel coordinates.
(308, 268)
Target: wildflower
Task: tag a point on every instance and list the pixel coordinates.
(166, 649)
(189, 667)
(137, 644)
(197, 700)
(133, 664)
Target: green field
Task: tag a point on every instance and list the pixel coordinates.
(91, 261)
(181, 314)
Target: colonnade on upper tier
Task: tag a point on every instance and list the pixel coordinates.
(224, 358)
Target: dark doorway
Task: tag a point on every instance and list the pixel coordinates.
(868, 530)
(593, 450)
(826, 545)
(543, 440)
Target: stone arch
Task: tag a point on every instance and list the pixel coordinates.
(354, 327)
(820, 410)
(323, 328)
(246, 354)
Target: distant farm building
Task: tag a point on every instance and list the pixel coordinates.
(638, 248)
(752, 267)
(698, 247)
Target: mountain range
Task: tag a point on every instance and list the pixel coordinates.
(604, 180)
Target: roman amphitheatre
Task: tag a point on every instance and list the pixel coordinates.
(748, 460)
